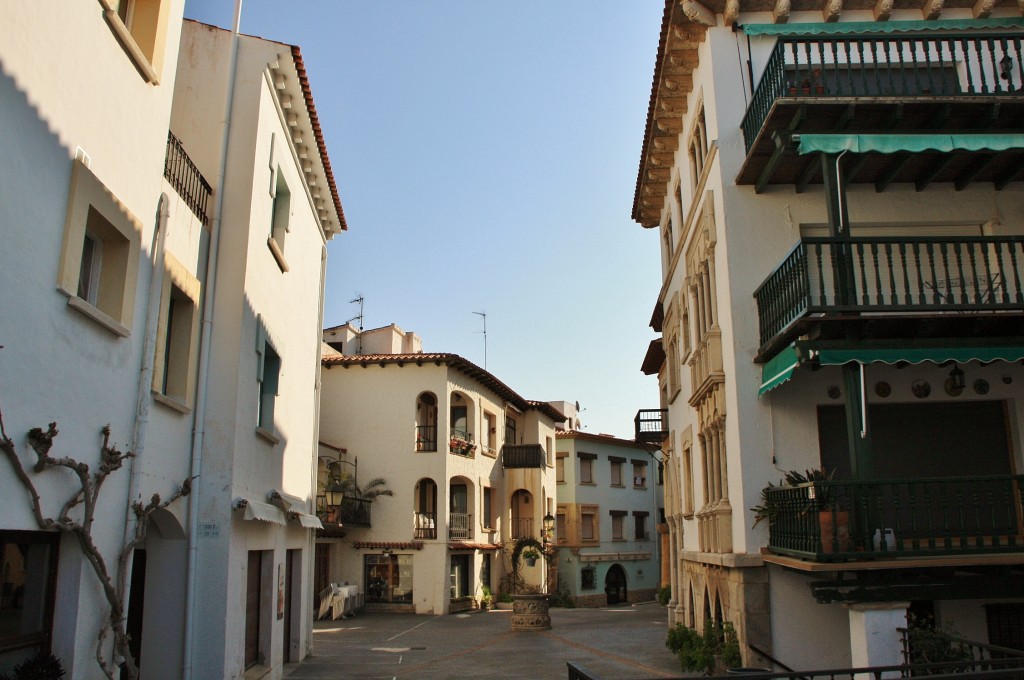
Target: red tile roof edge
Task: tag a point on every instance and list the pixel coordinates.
(466, 366)
(602, 438)
(314, 119)
(666, 21)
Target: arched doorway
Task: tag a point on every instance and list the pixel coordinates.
(615, 585)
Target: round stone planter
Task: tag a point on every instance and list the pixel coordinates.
(530, 612)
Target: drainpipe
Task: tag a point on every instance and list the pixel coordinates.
(138, 445)
(199, 417)
(311, 554)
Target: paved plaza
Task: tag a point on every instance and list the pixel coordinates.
(614, 642)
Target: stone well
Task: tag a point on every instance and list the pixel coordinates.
(530, 612)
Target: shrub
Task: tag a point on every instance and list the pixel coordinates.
(664, 595)
(697, 652)
(43, 666)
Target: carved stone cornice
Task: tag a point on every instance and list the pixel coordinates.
(697, 13)
(780, 13)
(883, 10)
(983, 8)
(832, 9)
(732, 12)
(932, 9)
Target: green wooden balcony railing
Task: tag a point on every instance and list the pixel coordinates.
(891, 274)
(886, 66)
(842, 520)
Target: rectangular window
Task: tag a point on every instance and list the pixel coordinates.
(586, 471)
(560, 469)
(100, 253)
(588, 578)
(485, 570)
(253, 607)
(488, 521)
(639, 474)
(640, 526)
(177, 336)
(548, 449)
(618, 517)
(141, 28)
(491, 435)
(560, 529)
(28, 571)
(280, 212)
(268, 371)
(510, 430)
(687, 464)
(459, 579)
(387, 578)
(589, 527)
(616, 472)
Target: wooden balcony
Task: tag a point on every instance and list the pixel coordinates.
(651, 425)
(918, 287)
(886, 84)
(523, 456)
(837, 521)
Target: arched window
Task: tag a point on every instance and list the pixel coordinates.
(425, 509)
(426, 422)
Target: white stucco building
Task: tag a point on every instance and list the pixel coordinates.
(469, 461)
(148, 194)
(606, 516)
(842, 289)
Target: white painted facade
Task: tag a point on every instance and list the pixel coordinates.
(179, 393)
(390, 416)
(725, 236)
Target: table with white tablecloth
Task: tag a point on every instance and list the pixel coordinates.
(339, 601)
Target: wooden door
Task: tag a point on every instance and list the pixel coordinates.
(254, 579)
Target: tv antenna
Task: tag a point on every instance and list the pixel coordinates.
(484, 315)
(358, 299)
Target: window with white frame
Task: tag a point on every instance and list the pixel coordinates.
(100, 253)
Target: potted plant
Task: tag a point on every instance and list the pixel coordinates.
(791, 88)
(530, 555)
(833, 524)
(767, 509)
(819, 84)
(504, 601)
(486, 598)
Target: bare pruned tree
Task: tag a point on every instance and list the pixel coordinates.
(76, 517)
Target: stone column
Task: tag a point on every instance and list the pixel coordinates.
(874, 640)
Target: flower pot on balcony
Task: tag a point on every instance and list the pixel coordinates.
(835, 530)
(531, 561)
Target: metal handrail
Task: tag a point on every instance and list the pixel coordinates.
(184, 176)
(933, 65)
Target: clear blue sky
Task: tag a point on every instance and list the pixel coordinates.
(486, 155)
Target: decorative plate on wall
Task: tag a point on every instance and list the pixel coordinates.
(921, 388)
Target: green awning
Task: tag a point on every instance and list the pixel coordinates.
(917, 355)
(893, 143)
(861, 27)
(778, 369)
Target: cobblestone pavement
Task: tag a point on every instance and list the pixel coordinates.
(615, 642)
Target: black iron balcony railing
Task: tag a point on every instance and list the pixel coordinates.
(184, 176)
(460, 526)
(842, 520)
(886, 66)
(424, 525)
(460, 442)
(523, 456)
(651, 425)
(426, 437)
(353, 512)
(861, 275)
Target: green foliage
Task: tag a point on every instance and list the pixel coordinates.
(486, 596)
(561, 598)
(43, 666)
(929, 644)
(505, 597)
(530, 554)
(664, 595)
(698, 652)
(767, 508)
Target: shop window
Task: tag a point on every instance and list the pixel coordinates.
(28, 570)
(388, 578)
(588, 578)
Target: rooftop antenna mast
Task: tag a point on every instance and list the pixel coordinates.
(359, 298)
(484, 315)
